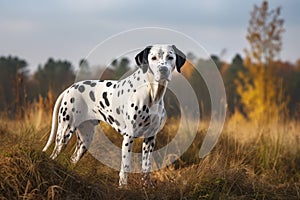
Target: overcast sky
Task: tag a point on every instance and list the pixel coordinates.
(68, 29)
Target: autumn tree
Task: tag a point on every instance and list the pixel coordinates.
(258, 87)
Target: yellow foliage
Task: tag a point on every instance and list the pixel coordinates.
(260, 92)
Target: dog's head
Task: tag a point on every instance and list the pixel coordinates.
(160, 60)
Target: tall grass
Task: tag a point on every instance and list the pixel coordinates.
(250, 161)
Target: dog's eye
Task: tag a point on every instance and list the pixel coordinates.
(170, 58)
(154, 58)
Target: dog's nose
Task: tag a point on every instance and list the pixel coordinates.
(163, 70)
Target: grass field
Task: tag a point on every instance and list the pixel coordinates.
(250, 161)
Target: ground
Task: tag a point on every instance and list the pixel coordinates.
(249, 162)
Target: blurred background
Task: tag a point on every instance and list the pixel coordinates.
(253, 44)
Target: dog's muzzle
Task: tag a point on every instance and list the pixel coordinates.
(163, 70)
(164, 73)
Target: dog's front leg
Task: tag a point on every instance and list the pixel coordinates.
(148, 148)
(126, 155)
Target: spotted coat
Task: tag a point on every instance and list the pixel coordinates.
(133, 106)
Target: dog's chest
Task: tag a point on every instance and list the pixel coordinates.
(136, 113)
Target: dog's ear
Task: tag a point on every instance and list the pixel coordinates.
(141, 59)
(180, 58)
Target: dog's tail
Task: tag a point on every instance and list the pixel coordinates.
(54, 121)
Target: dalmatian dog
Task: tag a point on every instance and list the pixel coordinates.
(133, 106)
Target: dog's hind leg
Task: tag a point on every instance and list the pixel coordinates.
(64, 134)
(85, 136)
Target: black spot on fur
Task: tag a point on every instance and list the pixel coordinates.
(81, 88)
(87, 82)
(118, 111)
(147, 119)
(93, 84)
(68, 117)
(104, 95)
(132, 105)
(101, 104)
(126, 144)
(111, 118)
(72, 100)
(108, 84)
(92, 96)
(102, 115)
(150, 138)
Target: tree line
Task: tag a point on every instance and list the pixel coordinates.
(19, 88)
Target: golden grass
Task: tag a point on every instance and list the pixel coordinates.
(250, 161)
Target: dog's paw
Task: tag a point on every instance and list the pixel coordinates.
(147, 182)
(123, 186)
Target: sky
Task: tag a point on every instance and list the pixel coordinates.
(35, 30)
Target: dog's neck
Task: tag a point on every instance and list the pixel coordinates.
(157, 89)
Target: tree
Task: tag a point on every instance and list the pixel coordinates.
(259, 88)
(13, 75)
(264, 34)
(120, 67)
(84, 71)
(230, 76)
(55, 76)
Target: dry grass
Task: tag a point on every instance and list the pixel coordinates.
(250, 161)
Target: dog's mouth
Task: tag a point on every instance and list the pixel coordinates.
(163, 77)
